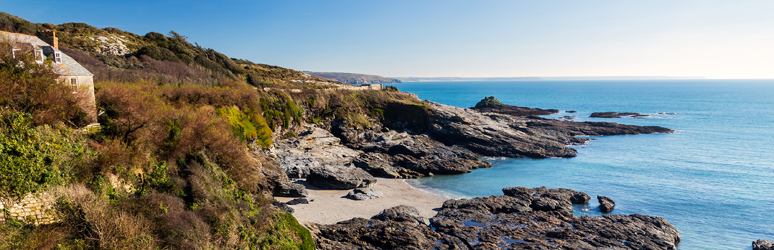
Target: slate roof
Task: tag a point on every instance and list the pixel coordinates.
(68, 66)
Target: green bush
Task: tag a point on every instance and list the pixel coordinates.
(35, 158)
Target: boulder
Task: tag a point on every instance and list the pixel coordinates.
(763, 245)
(364, 194)
(340, 177)
(297, 201)
(606, 205)
(282, 206)
(290, 189)
(402, 213)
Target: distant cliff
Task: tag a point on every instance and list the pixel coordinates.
(352, 78)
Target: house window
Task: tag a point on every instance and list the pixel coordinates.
(74, 82)
(58, 57)
(39, 55)
(13, 52)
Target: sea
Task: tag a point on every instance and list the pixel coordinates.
(713, 179)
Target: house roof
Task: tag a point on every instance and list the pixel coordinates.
(68, 66)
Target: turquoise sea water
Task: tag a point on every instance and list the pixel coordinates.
(713, 179)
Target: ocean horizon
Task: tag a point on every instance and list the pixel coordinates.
(711, 179)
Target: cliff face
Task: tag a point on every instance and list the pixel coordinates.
(352, 78)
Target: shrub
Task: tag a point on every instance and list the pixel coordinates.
(35, 158)
(33, 88)
(99, 224)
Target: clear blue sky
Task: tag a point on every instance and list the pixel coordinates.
(714, 39)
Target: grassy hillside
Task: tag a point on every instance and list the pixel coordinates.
(352, 78)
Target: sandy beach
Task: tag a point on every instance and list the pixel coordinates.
(330, 206)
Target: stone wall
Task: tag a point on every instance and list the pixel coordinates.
(34, 209)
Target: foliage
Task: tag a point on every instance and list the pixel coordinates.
(35, 158)
(33, 88)
(489, 102)
(247, 128)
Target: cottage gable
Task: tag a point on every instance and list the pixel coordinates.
(70, 71)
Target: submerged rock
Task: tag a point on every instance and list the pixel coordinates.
(606, 205)
(364, 194)
(615, 115)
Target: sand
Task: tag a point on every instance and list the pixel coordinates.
(330, 206)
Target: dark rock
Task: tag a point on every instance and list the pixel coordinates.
(359, 233)
(297, 201)
(289, 189)
(614, 115)
(402, 213)
(763, 245)
(401, 155)
(545, 199)
(340, 178)
(473, 222)
(501, 222)
(491, 104)
(571, 111)
(606, 205)
(282, 206)
(364, 194)
(580, 198)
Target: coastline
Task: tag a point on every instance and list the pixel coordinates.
(330, 206)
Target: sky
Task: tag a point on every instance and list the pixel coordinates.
(451, 38)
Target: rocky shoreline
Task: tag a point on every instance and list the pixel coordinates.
(451, 140)
(521, 219)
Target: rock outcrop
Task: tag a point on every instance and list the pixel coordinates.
(501, 222)
(340, 177)
(606, 205)
(763, 245)
(402, 155)
(312, 148)
(495, 134)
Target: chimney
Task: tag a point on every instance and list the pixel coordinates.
(49, 36)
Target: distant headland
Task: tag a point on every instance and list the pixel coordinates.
(353, 78)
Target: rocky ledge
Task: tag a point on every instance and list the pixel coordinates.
(615, 115)
(519, 219)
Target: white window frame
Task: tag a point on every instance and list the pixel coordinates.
(57, 57)
(39, 55)
(13, 52)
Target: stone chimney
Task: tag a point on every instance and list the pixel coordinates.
(49, 36)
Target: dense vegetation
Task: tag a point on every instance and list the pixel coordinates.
(177, 162)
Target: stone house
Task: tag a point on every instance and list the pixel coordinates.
(46, 46)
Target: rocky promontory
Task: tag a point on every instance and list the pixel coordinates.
(511, 221)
